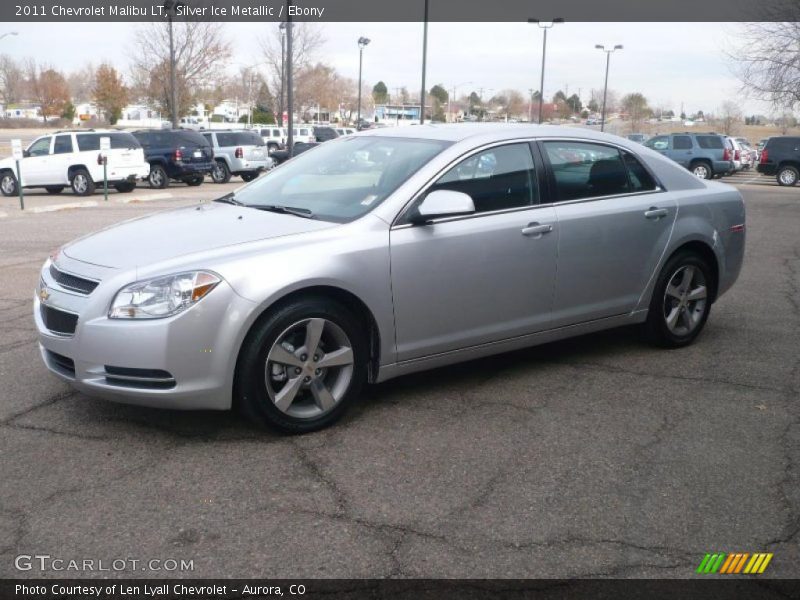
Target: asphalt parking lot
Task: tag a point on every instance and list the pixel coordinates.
(597, 456)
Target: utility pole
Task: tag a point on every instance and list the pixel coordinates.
(281, 104)
(362, 43)
(424, 65)
(171, 7)
(605, 89)
(544, 25)
(289, 84)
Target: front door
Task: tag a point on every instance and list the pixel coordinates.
(34, 168)
(465, 281)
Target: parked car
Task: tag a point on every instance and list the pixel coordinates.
(278, 298)
(281, 156)
(345, 131)
(274, 137)
(175, 154)
(241, 153)
(192, 123)
(639, 138)
(304, 135)
(73, 158)
(706, 155)
(325, 134)
(781, 157)
(736, 154)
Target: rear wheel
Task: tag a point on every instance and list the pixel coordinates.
(8, 184)
(82, 183)
(125, 187)
(702, 170)
(55, 189)
(302, 367)
(220, 173)
(788, 176)
(681, 301)
(158, 177)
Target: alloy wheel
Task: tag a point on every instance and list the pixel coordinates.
(787, 177)
(155, 178)
(8, 184)
(701, 171)
(309, 368)
(685, 300)
(80, 183)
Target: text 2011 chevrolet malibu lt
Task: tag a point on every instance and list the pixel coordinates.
(385, 253)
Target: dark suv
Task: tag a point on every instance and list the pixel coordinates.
(175, 154)
(324, 134)
(781, 157)
(705, 154)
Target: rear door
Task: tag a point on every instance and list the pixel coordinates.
(614, 223)
(681, 149)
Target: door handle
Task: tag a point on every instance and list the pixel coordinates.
(655, 213)
(534, 229)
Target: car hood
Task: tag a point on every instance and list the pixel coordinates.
(175, 233)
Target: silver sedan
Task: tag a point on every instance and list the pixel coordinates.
(381, 254)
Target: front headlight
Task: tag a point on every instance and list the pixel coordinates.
(162, 296)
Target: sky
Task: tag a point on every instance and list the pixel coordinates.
(672, 64)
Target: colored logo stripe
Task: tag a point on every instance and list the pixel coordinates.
(735, 563)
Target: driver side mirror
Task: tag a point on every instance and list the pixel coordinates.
(25, 154)
(442, 203)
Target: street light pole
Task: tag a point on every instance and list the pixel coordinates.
(289, 86)
(281, 105)
(171, 7)
(362, 43)
(424, 66)
(544, 25)
(605, 88)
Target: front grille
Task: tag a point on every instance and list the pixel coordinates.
(62, 363)
(59, 321)
(72, 282)
(139, 378)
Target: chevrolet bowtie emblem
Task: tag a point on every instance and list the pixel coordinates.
(43, 294)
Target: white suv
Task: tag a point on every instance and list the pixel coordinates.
(274, 137)
(73, 158)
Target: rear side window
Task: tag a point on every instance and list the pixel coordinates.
(239, 138)
(496, 179)
(585, 170)
(88, 142)
(276, 133)
(63, 144)
(783, 143)
(640, 178)
(710, 142)
(681, 142)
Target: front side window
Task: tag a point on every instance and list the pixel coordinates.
(40, 147)
(63, 144)
(681, 142)
(341, 181)
(586, 170)
(495, 179)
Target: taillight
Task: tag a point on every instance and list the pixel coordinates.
(726, 154)
(177, 155)
(239, 153)
(763, 156)
(737, 155)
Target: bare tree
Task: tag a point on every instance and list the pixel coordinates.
(49, 89)
(12, 80)
(729, 117)
(767, 61)
(201, 50)
(307, 39)
(82, 82)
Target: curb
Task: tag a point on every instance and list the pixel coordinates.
(148, 198)
(66, 206)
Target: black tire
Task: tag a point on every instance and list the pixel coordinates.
(55, 189)
(787, 175)
(8, 184)
(125, 187)
(220, 173)
(250, 391)
(249, 176)
(194, 181)
(81, 182)
(271, 148)
(702, 169)
(656, 327)
(157, 178)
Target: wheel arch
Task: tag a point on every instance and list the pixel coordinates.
(72, 168)
(332, 292)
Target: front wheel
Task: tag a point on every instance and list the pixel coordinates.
(194, 181)
(8, 184)
(302, 367)
(681, 301)
(82, 183)
(220, 173)
(788, 176)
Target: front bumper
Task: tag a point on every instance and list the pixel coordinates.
(187, 360)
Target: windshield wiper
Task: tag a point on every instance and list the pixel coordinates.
(288, 210)
(229, 199)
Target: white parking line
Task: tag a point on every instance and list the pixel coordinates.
(3, 215)
(66, 206)
(127, 199)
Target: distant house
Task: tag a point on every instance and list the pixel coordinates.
(22, 111)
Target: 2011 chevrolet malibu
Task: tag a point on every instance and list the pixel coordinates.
(384, 253)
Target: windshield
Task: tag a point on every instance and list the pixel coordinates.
(341, 180)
